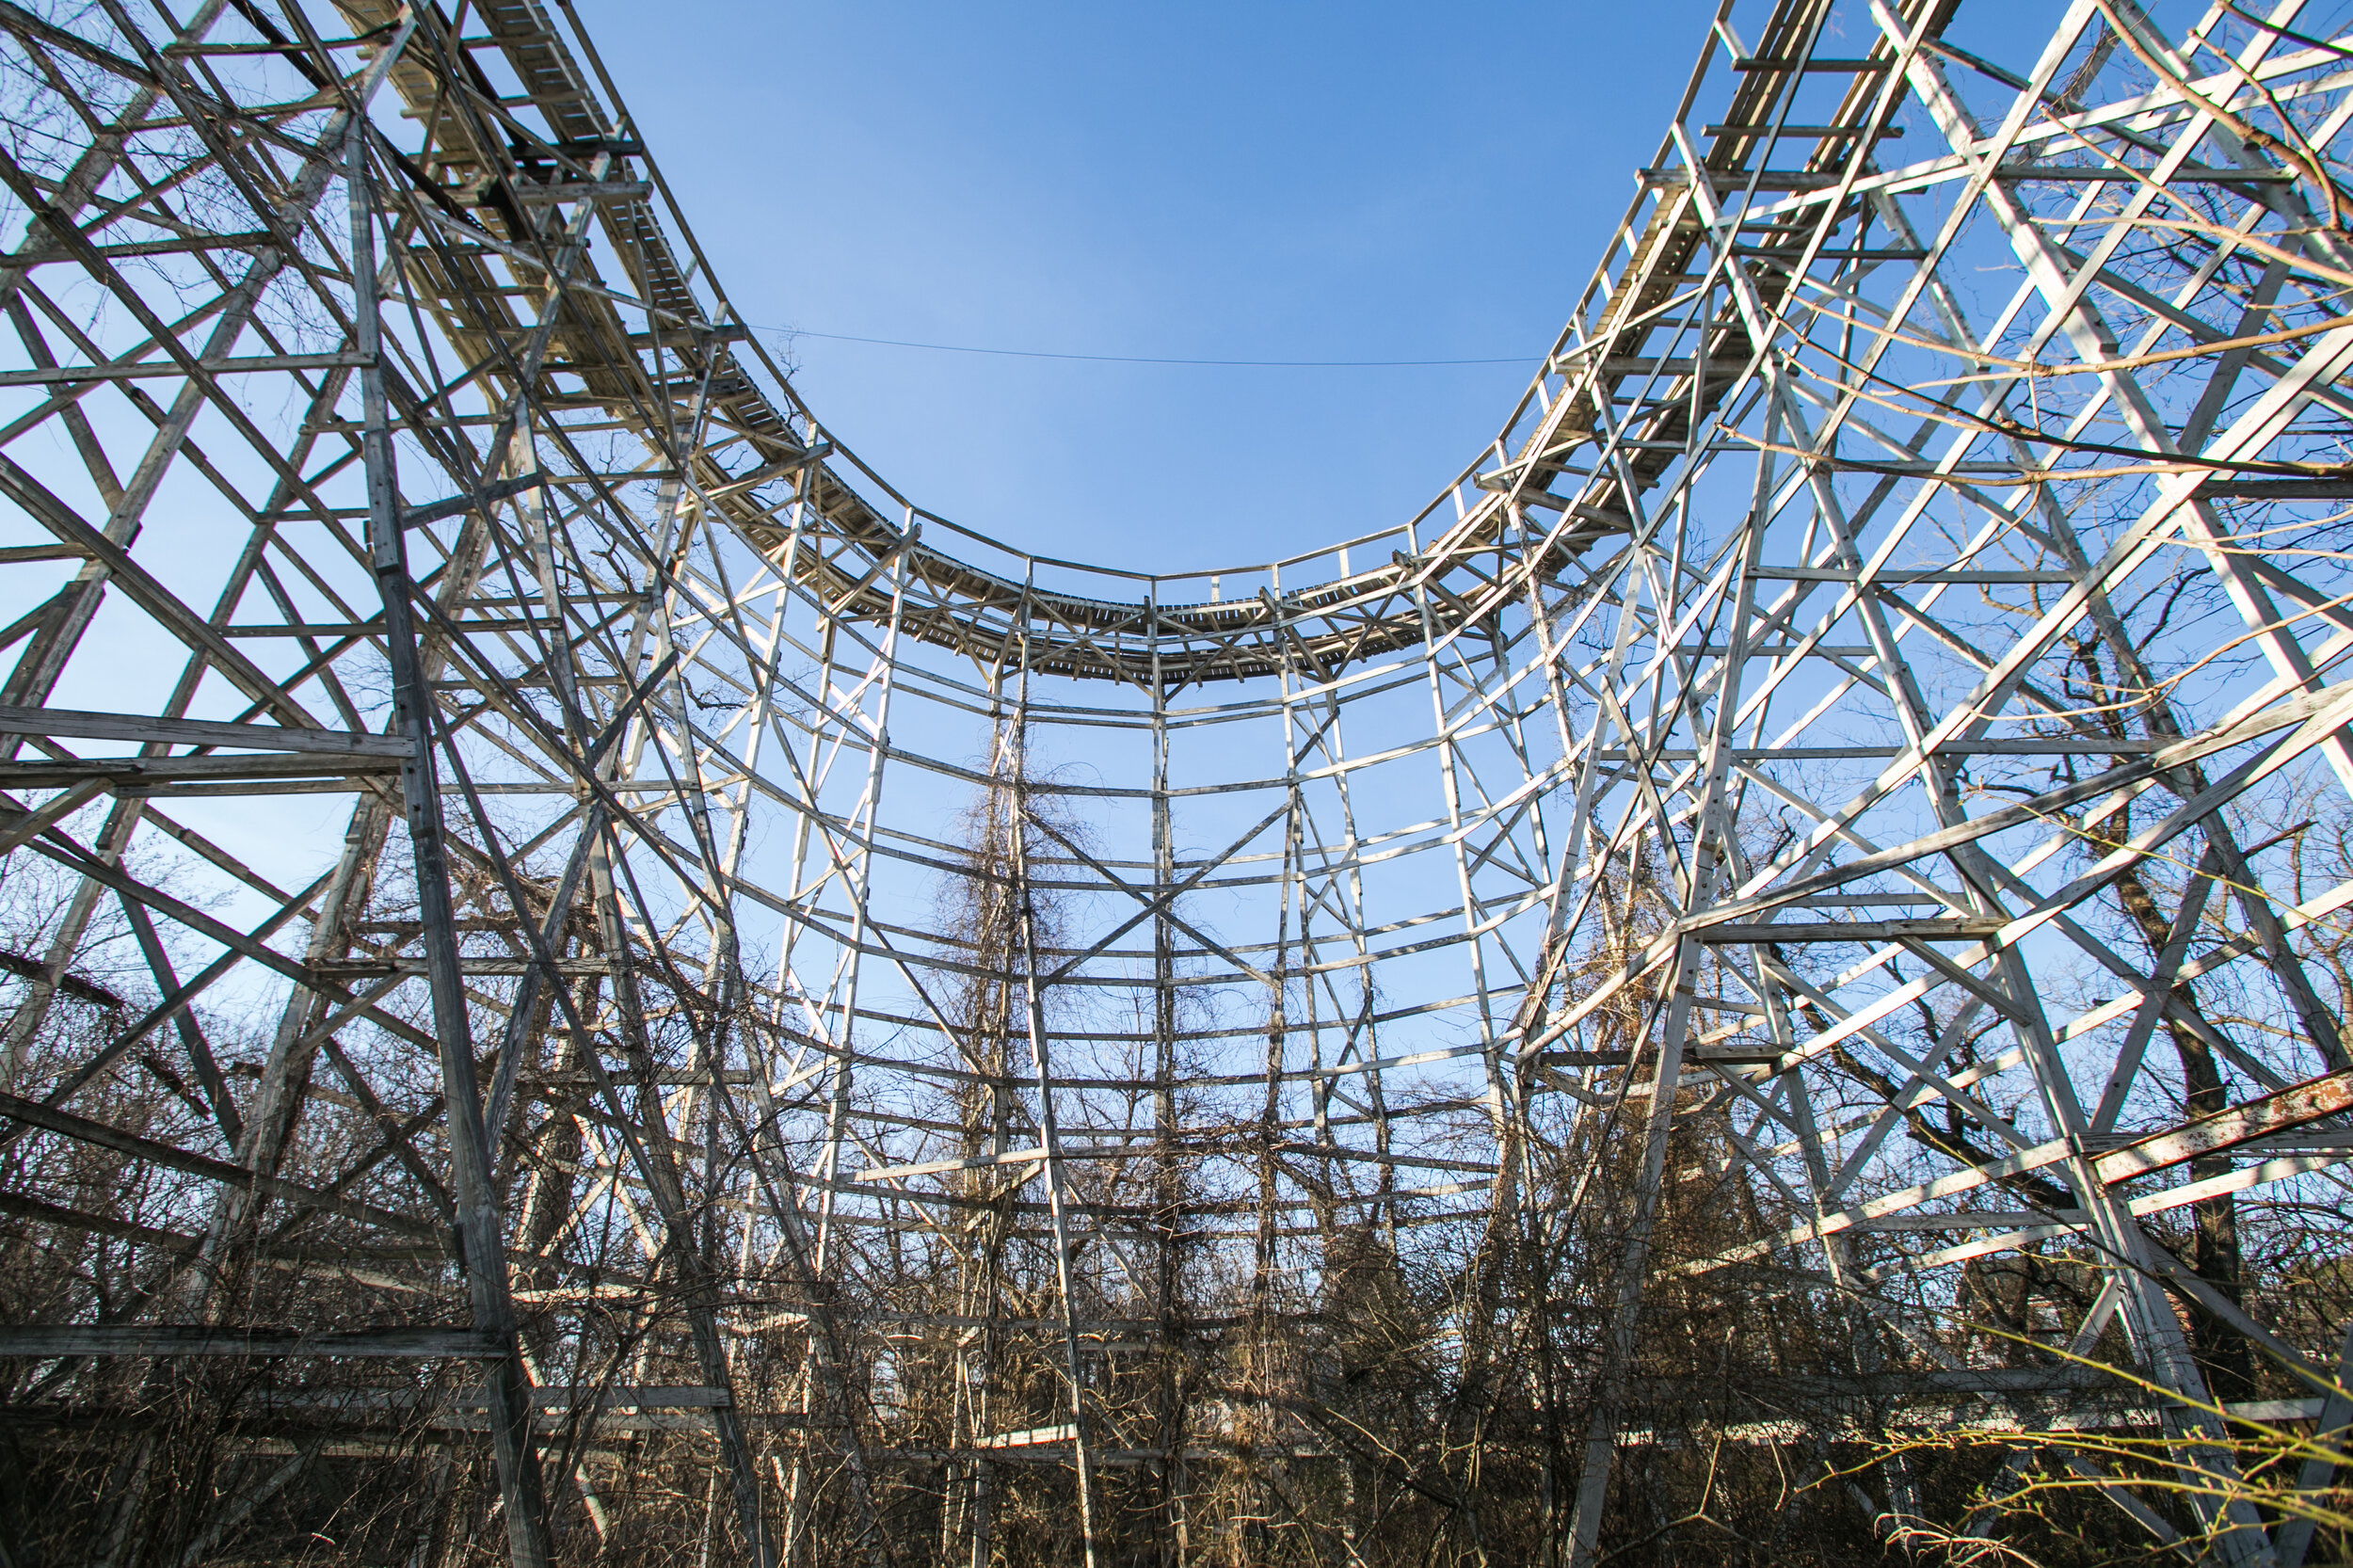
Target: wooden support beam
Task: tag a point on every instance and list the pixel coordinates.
(50, 1118)
(2290, 1108)
(49, 1341)
(142, 728)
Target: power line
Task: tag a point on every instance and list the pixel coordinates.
(1147, 360)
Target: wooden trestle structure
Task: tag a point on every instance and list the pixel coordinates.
(584, 977)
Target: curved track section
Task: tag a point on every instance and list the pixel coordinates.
(573, 956)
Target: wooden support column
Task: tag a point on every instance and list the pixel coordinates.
(481, 1237)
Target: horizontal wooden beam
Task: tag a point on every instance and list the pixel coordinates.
(1856, 931)
(50, 1340)
(143, 730)
(145, 370)
(136, 771)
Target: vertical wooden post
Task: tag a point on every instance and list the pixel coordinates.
(481, 1245)
(1049, 1133)
(1176, 1542)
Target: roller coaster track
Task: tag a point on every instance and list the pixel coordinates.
(1848, 746)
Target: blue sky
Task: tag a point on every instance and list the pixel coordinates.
(1302, 181)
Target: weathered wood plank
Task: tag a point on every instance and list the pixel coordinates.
(48, 1342)
(145, 729)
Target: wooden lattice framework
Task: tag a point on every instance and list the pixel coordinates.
(873, 1021)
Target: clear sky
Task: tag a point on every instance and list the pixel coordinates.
(1222, 181)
